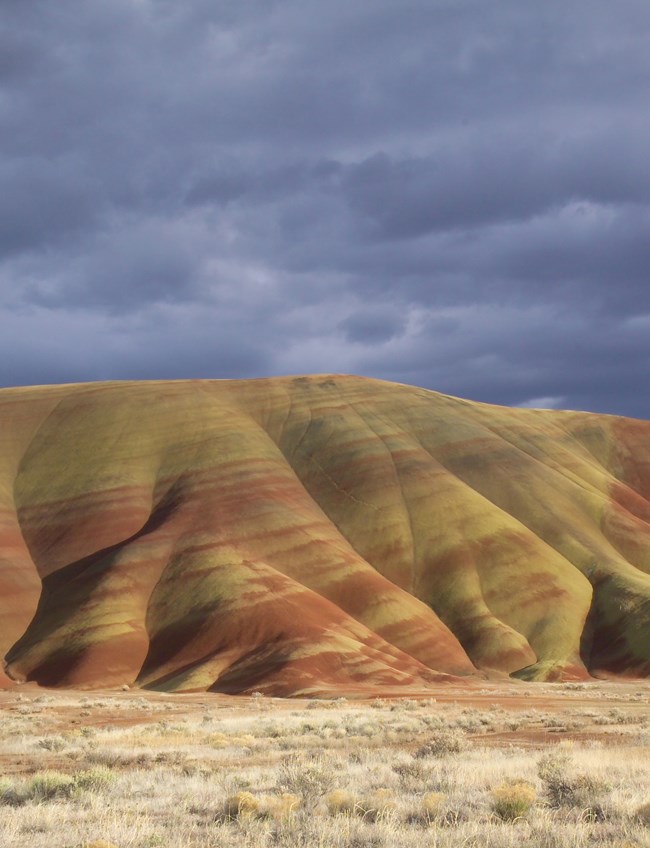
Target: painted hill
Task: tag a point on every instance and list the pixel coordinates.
(316, 534)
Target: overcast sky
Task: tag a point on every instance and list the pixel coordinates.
(448, 193)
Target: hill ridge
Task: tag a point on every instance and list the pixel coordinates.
(305, 535)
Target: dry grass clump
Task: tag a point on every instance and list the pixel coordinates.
(642, 814)
(282, 807)
(245, 805)
(433, 804)
(431, 809)
(380, 805)
(241, 804)
(340, 802)
(513, 800)
(223, 740)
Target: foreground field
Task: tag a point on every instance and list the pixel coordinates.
(506, 765)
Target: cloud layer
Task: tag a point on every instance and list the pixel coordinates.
(445, 193)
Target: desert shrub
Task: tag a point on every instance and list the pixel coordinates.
(587, 796)
(512, 801)
(9, 794)
(96, 779)
(52, 743)
(443, 744)
(340, 802)
(553, 771)
(170, 758)
(113, 758)
(554, 722)
(412, 776)
(564, 789)
(308, 779)
(49, 785)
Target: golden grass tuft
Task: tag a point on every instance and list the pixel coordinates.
(241, 804)
(433, 804)
(429, 811)
(281, 807)
(340, 802)
(513, 800)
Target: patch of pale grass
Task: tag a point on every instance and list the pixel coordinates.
(323, 774)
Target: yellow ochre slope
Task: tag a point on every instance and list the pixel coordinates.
(311, 535)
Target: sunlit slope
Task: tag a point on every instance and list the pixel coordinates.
(316, 534)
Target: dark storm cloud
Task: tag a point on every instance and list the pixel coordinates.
(448, 193)
(372, 324)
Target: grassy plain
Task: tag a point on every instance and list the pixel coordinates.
(505, 765)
